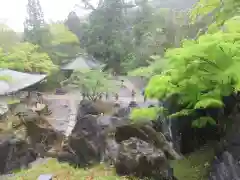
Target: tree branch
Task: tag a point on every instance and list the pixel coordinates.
(88, 5)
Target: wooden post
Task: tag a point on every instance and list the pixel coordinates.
(106, 96)
(133, 95)
(116, 96)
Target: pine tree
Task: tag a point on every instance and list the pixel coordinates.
(35, 30)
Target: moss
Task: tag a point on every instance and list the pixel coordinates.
(63, 171)
(195, 166)
(192, 167)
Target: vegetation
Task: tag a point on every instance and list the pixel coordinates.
(92, 83)
(195, 166)
(202, 71)
(26, 58)
(194, 55)
(64, 171)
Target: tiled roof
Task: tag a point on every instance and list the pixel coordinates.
(17, 81)
(81, 62)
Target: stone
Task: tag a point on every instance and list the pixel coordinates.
(147, 133)
(15, 154)
(139, 158)
(86, 139)
(133, 104)
(96, 107)
(45, 177)
(122, 112)
(226, 164)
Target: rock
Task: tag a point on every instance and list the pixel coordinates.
(139, 158)
(111, 151)
(60, 91)
(96, 107)
(45, 177)
(107, 122)
(15, 154)
(226, 163)
(133, 104)
(225, 169)
(146, 133)
(3, 110)
(91, 138)
(185, 138)
(87, 107)
(86, 140)
(122, 112)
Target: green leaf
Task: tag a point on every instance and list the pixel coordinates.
(203, 121)
(209, 103)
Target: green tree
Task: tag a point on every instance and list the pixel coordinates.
(92, 83)
(214, 13)
(8, 37)
(155, 67)
(64, 45)
(201, 72)
(26, 58)
(35, 29)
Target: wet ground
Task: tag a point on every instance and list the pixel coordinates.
(64, 107)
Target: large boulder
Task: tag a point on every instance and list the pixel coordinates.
(97, 107)
(89, 138)
(225, 168)
(226, 165)
(15, 153)
(185, 137)
(139, 158)
(122, 112)
(86, 140)
(147, 133)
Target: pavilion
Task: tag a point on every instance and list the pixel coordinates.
(82, 62)
(16, 82)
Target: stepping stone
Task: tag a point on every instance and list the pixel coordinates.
(45, 177)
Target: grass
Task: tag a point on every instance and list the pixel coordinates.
(63, 171)
(193, 167)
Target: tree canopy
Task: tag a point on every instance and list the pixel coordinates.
(202, 71)
(26, 58)
(92, 83)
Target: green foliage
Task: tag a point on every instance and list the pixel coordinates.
(53, 81)
(8, 37)
(92, 83)
(142, 71)
(63, 45)
(26, 58)
(61, 35)
(156, 66)
(217, 12)
(203, 121)
(5, 78)
(209, 103)
(144, 114)
(201, 72)
(159, 87)
(124, 35)
(184, 112)
(35, 29)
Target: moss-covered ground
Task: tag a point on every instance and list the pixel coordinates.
(192, 167)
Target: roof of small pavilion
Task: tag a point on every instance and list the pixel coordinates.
(17, 81)
(82, 62)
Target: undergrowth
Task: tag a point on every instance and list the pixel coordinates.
(192, 167)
